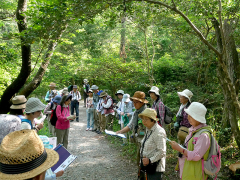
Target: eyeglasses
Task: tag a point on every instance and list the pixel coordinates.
(135, 102)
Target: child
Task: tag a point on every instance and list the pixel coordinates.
(90, 109)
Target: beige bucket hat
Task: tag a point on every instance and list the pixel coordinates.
(139, 96)
(52, 84)
(103, 94)
(18, 102)
(197, 111)
(23, 156)
(148, 112)
(33, 105)
(186, 93)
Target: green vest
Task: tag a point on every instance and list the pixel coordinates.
(192, 170)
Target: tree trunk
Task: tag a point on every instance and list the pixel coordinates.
(123, 54)
(30, 87)
(25, 71)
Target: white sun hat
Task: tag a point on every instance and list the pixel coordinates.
(155, 90)
(119, 92)
(126, 98)
(94, 87)
(33, 105)
(197, 111)
(186, 93)
(85, 80)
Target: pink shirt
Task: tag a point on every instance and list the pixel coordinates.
(200, 148)
(62, 122)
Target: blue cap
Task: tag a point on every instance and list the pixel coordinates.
(57, 99)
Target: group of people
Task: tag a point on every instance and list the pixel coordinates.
(147, 127)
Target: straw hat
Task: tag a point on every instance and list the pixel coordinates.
(103, 94)
(23, 156)
(139, 96)
(33, 105)
(148, 112)
(57, 99)
(155, 90)
(52, 84)
(197, 111)
(186, 93)
(94, 87)
(119, 92)
(18, 102)
(126, 98)
(8, 124)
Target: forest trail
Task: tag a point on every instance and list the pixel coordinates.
(96, 160)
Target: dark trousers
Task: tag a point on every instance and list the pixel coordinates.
(155, 176)
(75, 105)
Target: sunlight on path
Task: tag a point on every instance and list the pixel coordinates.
(96, 159)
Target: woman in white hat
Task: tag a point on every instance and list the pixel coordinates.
(157, 104)
(182, 123)
(153, 147)
(189, 163)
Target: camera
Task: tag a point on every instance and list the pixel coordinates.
(180, 154)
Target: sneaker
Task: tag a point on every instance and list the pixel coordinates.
(90, 129)
(87, 129)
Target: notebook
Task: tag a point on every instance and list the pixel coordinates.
(65, 158)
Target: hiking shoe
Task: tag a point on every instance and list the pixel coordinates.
(87, 129)
(90, 129)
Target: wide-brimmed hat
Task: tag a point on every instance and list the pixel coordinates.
(18, 102)
(57, 99)
(126, 98)
(103, 94)
(94, 87)
(155, 90)
(85, 80)
(8, 124)
(23, 156)
(197, 111)
(148, 112)
(139, 96)
(74, 86)
(52, 84)
(65, 90)
(33, 105)
(119, 92)
(186, 93)
(69, 96)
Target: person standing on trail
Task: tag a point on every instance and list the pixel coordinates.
(51, 93)
(157, 105)
(182, 116)
(63, 118)
(49, 110)
(135, 123)
(90, 110)
(108, 110)
(96, 94)
(86, 88)
(76, 97)
(153, 147)
(101, 116)
(119, 94)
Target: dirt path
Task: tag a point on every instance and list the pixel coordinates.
(96, 159)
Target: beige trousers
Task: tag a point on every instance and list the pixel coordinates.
(102, 122)
(62, 136)
(96, 120)
(51, 129)
(109, 122)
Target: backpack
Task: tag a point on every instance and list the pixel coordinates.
(168, 115)
(27, 121)
(213, 163)
(53, 118)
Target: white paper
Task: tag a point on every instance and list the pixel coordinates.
(53, 141)
(66, 163)
(178, 144)
(114, 134)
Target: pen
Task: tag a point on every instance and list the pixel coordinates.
(58, 147)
